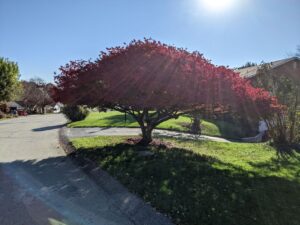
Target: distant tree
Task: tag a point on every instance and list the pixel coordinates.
(36, 94)
(154, 82)
(38, 81)
(248, 64)
(298, 51)
(9, 79)
(18, 93)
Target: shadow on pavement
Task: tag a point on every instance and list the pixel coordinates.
(59, 185)
(35, 192)
(62, 185)
(48, 128)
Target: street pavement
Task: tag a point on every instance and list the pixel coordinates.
(40, 185)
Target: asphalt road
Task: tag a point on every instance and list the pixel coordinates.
(40, 185)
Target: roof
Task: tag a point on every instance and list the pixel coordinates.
(251, 71)
(14, 105)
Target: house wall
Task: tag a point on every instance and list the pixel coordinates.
(290, 69)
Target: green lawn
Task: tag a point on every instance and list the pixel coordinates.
(6, 118)
(201, 182)
(117, 119)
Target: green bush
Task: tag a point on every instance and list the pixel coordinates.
(3, 107)
(75, 113)
(2, 115)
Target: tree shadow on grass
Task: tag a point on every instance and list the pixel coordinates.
(230, 130)
(286, 150)
(118, 120)
(195, 189)
(288, 162)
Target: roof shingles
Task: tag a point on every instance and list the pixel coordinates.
(251, 71)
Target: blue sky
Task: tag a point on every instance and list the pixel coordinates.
(41, 35)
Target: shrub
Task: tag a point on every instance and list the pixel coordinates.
(75, 113)
(285, 131)
(3, 107)
(2, 115)
(284, 127)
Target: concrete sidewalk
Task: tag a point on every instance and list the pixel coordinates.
(114, 131)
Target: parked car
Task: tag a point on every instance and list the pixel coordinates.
(22, 113)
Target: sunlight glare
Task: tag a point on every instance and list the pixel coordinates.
(218, 5)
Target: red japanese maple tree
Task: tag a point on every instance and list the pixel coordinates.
(155, 82)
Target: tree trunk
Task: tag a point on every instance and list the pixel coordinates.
(148, 121)
(146, 136)
(195, 127)
(293, 116)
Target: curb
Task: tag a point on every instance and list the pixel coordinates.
(64, 141)
(133, 207)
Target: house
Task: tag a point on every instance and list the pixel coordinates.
(287, 67)
(14, 106)
(257, 74)
(58, 107)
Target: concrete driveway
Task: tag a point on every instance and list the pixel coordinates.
(40, 185)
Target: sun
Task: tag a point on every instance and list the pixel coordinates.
(218, 5)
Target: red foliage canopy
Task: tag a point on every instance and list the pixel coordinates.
(154, 76)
